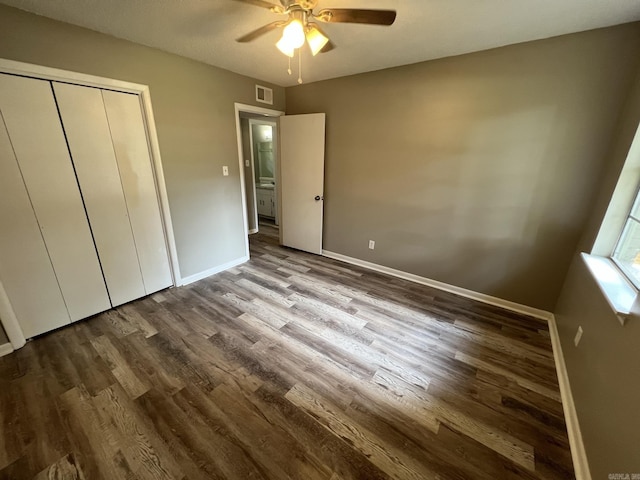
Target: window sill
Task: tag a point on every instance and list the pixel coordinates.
(620, 294)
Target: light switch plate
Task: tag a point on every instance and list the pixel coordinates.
(225, 171)
(247, 163)
(372, 244)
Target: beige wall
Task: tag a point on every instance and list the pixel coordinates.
(603, 372)
(604, 369)
(478, 170)
(194, 110)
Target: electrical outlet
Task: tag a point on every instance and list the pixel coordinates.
(372, 244)
(247, 163)
(579, 333)
(225, 171)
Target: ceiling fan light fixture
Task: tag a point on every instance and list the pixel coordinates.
(292, 37)
(285, 47)
(316, 39)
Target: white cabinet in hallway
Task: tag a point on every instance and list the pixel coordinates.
(265, 198)
(79, 210)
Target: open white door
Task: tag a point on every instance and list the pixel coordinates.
(302, 181)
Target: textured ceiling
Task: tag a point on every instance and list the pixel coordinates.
(425, 29)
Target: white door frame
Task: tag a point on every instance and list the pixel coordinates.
(241, 107)
(9, 321)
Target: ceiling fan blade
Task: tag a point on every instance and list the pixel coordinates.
(262, 3)
(249, 37)
(352, 15)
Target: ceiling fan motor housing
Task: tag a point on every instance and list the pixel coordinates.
(304, 4)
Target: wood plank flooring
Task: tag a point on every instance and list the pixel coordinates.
(289, 366)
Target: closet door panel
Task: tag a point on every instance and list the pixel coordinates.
(33, 124)
(85, 123)
(134, 161)
(25, 268)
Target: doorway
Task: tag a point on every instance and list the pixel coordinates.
(298, 176)
(257, 132)
(263, 148)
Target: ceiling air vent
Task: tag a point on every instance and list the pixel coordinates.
(264, 94)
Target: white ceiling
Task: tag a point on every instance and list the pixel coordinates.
(424, 29)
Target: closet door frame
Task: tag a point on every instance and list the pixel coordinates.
(9, 321)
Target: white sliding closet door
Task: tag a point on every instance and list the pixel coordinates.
(33, 124)
(25, 267)
(134, 162)
(85, 123)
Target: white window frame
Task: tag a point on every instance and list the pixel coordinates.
(628, 219)
(620, 291)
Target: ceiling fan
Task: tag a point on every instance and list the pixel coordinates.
(300, 25)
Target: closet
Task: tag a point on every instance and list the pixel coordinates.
(80, 223)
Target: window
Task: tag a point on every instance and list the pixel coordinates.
(614, 259)
(627, 250)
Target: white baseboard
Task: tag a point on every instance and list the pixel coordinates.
(213, 271)
(463, 292)
(578, 453)
(5, 349)
(252, 231)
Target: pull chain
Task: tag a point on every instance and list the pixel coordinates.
(289, 69)
(299, 66)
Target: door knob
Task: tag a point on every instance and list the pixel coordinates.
(318, 198)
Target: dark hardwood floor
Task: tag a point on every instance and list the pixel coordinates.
(289, 366)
